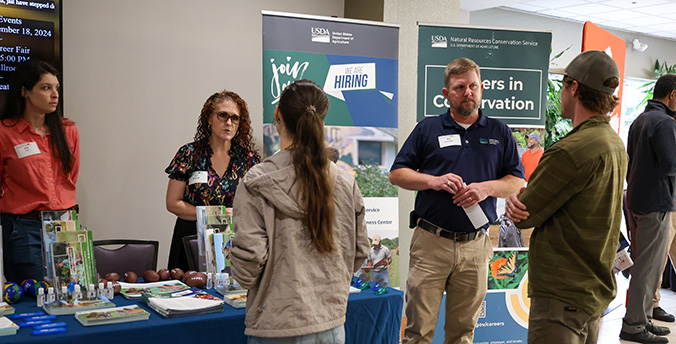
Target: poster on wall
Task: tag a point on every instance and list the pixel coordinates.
(28, 29)
(356, 63)
(514, 68)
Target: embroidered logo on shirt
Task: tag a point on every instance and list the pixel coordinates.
(483, 141)
(494, 142)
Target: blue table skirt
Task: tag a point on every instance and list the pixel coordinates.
(371, 319)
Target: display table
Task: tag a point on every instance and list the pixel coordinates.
(370, 319)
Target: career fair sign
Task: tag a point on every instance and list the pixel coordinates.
(356, 63)
(28, 29)
(514, 69)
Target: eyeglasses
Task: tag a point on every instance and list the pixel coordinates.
(224, 117)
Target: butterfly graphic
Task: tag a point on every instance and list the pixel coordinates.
(504, 267)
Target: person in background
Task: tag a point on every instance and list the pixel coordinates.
(651, 181)
(668, 89)
(455, 160)
(574, 201)
(39, 165)
(532, 156)
(300, 231)
(379, 259)
(208, 170)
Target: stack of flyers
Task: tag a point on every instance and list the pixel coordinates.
(7, 327)
(61, 307)
(5, 308)
(235, 298)
(191, 292)
(136, 290)
(112, 315)
(180, 306)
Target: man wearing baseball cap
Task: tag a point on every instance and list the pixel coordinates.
(650, 199)
(574, 201)
(531, 158)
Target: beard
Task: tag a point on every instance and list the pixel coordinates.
(466, 108)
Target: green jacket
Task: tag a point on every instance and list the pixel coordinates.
(574, 198)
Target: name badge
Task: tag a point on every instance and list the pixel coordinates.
(449, 140)
(26, 149)
(198, 177)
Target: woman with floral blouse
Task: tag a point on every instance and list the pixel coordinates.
(207, 171)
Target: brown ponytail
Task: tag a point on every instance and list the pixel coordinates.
(303, 106)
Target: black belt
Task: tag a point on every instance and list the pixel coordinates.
(36, 214)
(445, 233)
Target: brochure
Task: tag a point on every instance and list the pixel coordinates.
(52, 223)
(5, 308)
(136, 290)
(112, 315)
(61, 307)
(73, 258)
(181, 306)
(7, 327)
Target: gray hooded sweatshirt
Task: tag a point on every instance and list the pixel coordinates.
(293, 289)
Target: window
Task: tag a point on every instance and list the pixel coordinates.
(370, 153)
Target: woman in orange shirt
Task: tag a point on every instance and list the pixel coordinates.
(39, 164)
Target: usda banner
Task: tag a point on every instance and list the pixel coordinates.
(503, 318)
(514, 68)
(355, 62)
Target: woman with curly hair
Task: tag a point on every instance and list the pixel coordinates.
(208, 170)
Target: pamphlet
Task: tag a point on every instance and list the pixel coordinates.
(53, 222)
(61, 307)
(7, 327)
(136, 290)
(5, 308)
(112, 315)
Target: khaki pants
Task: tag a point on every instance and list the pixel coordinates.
(437, 265)
(553, 321)
(671, 252)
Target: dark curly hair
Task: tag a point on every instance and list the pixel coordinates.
(243, 137)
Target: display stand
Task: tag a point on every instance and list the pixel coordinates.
(214, 234)
(68, 253)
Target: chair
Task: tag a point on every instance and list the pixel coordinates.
(133, 255)
(192, 251)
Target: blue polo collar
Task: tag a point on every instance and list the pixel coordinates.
(448, 121)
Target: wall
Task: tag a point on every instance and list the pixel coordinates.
(408, 14)
(136, 74)
(569, 34)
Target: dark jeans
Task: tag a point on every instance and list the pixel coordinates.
(22, 248)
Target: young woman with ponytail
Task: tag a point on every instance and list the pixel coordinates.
(300, 230)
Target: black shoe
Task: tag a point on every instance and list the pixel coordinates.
(643, 337)
(660, 314)
(657, 330)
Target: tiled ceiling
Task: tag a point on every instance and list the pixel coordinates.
(649, 17)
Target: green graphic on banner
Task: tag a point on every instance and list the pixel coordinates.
(281, 68)
(514, 66)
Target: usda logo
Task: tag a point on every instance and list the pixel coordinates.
(439, 41)
(321, 35)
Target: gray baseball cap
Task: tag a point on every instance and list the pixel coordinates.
(592, 68)
(534, 135)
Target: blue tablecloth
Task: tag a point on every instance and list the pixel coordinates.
(371, 319)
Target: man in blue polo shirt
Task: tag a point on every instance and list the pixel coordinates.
(459, 162)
